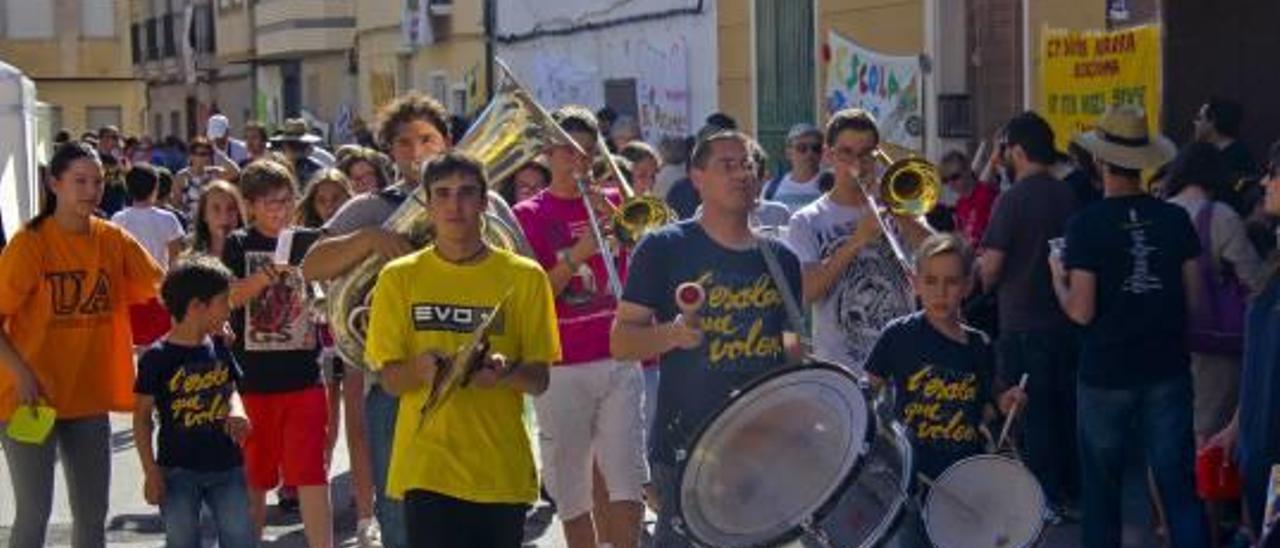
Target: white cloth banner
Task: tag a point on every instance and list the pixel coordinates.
(889, 87)
(662, 90)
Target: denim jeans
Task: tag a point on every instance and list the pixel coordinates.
(380, 410)
(226, 494)
(1162, 413)
(1049, 426)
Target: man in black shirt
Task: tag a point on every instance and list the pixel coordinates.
(1218, 123)
(1128, 264)
(1035, 336)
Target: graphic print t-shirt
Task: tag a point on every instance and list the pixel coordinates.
(1135, 246)
(475, 446)
(870, 293)
(743, 320)
(65, 301)
(192, 387)
(275, 337)
(586, 305)
(941, 386)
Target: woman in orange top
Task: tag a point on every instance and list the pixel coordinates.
(66, 282)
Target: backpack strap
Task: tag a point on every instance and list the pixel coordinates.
(772, 188)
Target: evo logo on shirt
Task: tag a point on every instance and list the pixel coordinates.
(74, 293)
(448, 317)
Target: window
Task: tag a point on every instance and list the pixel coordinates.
(955, 120)
(620, 94)
(29, 19)
(98, 18)
(153, 39)
(157, 127)
(458, 100)
(438, 86)
(135, 41)
(96, 117)
(175, 124)
(170, 48)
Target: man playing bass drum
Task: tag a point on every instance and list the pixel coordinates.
(739, 332)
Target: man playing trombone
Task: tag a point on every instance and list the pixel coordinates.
(463, 466)
(856, 281)
(591, 413)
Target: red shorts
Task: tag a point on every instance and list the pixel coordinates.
(288, 437)
(149, 321)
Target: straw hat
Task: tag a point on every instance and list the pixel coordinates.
(295, 130)
(1121, 139)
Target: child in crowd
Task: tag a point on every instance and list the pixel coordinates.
(943, 371)
(219, 211)
(161, 233)
(276, 347)
(189, 379)
(66, 281)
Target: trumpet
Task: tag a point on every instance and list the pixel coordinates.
(909, 187)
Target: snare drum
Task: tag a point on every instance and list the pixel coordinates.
(777, 453)
(985, 501)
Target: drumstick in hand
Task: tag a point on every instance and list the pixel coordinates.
(1008, 421)
(690, 297)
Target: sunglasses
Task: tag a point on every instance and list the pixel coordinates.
(809, 147)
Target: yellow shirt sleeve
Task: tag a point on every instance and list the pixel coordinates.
(539, 334)
(20, 273)
(387, 339)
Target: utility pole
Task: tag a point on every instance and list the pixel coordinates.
(490, 28)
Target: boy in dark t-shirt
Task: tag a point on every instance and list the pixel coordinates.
(941, 369)
(189, 381)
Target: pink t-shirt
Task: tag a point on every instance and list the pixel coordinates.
(586, 306)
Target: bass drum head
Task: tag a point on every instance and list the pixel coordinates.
(773, 456)
(985, 501)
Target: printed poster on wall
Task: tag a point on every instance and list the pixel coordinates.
(887, 86)
(662, 90)
(1081, 73)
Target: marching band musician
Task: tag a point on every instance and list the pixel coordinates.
(590, 417)
(737, 335)
(465, 471)
(851, 276)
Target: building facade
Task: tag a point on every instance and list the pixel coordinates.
(304, 60)
(78, 54)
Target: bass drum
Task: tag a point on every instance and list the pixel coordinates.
(765, 465)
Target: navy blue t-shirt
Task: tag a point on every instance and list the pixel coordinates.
(1260, 397)
(192, 387)
(684, 199)
(941, 386)
(743, 320)
(1135, 246)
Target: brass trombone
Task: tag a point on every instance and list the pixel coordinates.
(910, 187)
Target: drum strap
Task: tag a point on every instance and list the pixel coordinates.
(794, 315)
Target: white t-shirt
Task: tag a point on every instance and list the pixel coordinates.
(153, 227)
(871, 292)
(797, 194)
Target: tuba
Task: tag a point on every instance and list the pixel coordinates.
(511, 131)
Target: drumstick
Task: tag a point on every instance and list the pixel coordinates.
(690, 297)
(1008, 421)
(960, 502)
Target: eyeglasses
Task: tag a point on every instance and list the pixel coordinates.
(732, 166)
(808, 147)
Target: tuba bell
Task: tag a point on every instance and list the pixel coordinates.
(511, 131)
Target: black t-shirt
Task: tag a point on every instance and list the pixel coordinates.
(1025, 217)
(192, 387)
(941, 386)
(275, 338)
(1135, 246)
(684, 199)
(743, 318)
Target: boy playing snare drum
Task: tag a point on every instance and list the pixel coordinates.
(942, 370)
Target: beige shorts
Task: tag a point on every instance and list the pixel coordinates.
(592, 412)
(1216, 383)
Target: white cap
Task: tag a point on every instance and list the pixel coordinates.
(217, 127)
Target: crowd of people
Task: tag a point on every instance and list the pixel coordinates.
(176, 283)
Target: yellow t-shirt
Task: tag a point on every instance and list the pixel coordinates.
(64, 302)
(476, 447)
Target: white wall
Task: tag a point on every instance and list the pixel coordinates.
(674, 54)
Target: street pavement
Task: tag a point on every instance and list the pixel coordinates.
(132, 522)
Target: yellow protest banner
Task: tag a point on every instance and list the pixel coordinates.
(1081, 73)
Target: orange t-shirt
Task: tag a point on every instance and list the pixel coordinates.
(64, 300)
